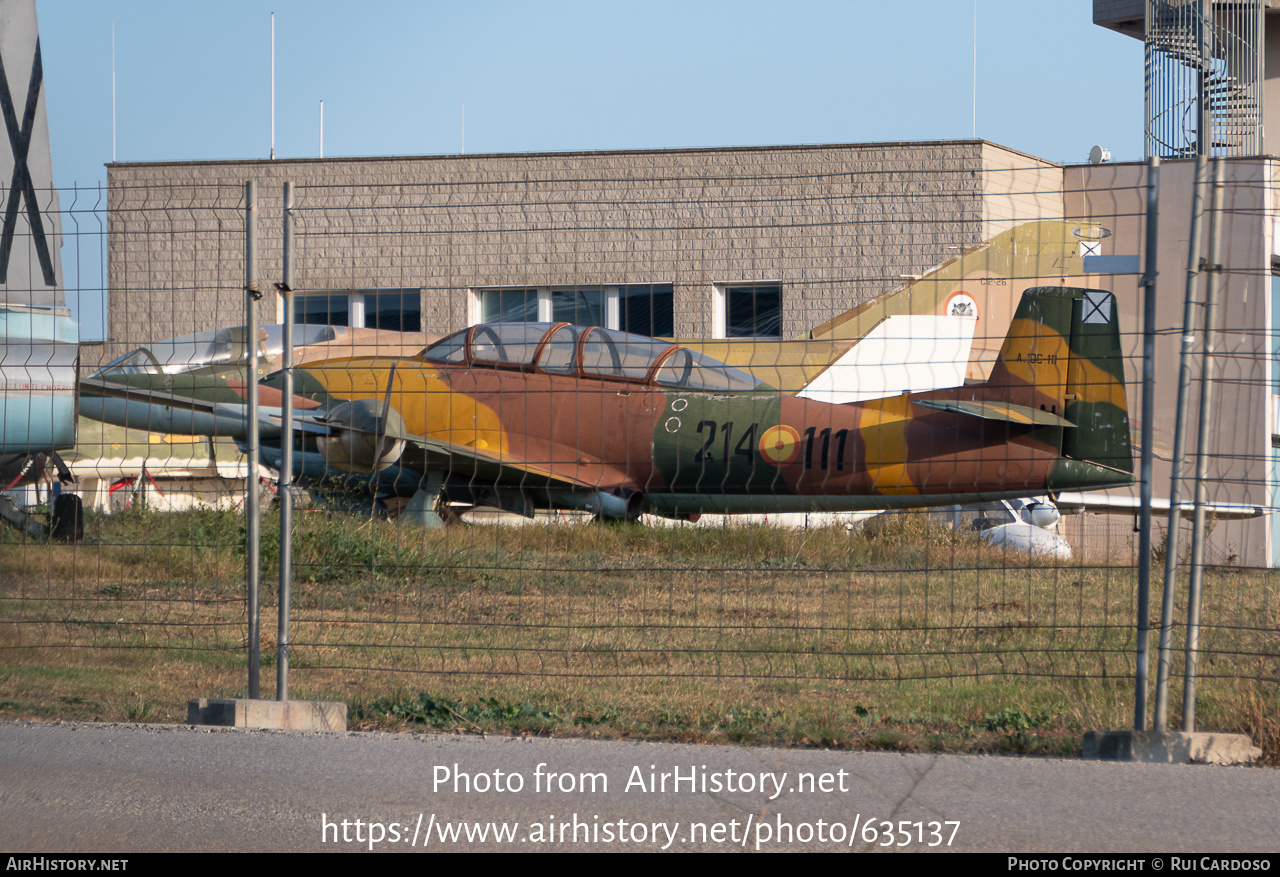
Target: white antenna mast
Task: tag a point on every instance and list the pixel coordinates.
(113, 92)
(322, 129)
(464, 129)
(273, 86)
(975, 69)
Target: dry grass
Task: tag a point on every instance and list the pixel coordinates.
(903, 635)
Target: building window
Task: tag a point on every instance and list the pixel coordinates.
(644, 309)
(749, 311)
(582, 307)
(326, 310)
(399, 310)
(648, 310)
(508, 306)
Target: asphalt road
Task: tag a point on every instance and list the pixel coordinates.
(139, 788)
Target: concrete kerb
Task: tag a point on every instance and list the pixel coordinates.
(292, 715)
(1170, 747)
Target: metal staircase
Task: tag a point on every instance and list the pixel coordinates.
(1203, 72)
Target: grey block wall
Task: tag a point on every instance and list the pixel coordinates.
(835, 225)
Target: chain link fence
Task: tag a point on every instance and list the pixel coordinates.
(836, 617)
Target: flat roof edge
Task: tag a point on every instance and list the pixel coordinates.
(1164, 161)
(703, 150)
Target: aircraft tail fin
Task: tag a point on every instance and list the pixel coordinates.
(1062, 356)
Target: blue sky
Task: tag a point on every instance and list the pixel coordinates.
(193, 79)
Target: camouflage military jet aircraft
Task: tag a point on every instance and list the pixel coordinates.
(530, 415)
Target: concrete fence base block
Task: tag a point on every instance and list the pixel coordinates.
(293, 715)
(1170, 747)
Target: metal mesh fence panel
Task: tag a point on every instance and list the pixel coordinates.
(538, 574)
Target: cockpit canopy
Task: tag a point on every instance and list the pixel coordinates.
(212, 347)
(588, 352)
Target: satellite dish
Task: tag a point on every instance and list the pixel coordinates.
(1098, 155)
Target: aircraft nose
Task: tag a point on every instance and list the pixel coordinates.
(1044, 516)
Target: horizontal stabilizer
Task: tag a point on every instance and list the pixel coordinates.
(1075, 503)
(1005, 411)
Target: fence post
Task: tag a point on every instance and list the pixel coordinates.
(252, 511)
(1165, 660)
(286, 456)
(1148, 408)
(1214, 267)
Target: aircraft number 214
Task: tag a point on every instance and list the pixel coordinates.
(746, 444)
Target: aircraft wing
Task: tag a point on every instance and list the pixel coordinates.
(483, 467)
(177, 412)
(205, 406)
(96, 386)
(1076, 503)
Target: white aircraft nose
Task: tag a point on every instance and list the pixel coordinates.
(1044, 516)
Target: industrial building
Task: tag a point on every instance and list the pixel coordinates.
(685, 242)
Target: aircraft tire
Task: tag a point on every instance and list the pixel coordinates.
(67, 521)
